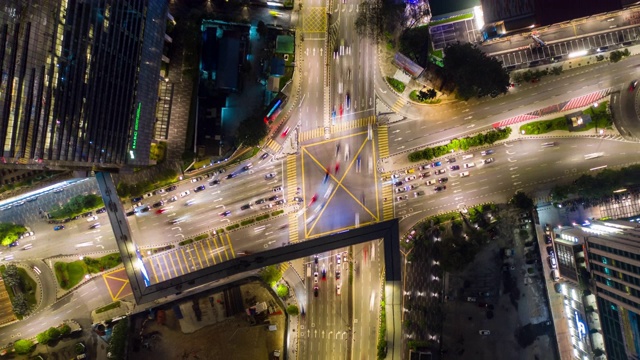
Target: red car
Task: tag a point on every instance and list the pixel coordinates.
(341, 109)
(160, 211)
(285, 132)
(313, 199)
(337, 168)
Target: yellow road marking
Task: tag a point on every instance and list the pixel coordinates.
(217, 247)
(204, 253)
(233, 254)
(153, 268)
(213, 256)
(173, 265)
(180, 263)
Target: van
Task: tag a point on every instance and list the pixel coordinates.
(548, 144)
(468, 156)
(552, 262)
(554, 275)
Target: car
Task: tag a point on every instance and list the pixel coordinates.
(524, 226)
(313, 199)
(454, 167)
(633, 85)
(398, 183)
(264, 156)
(410, 178)
(395, 176)
(436, 164)
(59, 227)
(280, 202)
(315, 277)
(469, 165)
(484, 332)
(418, 193)
(269, 176)
(468, 156)
(484, 293)
(260, 201)
(298, 199)
(338, 289)
(400, 190)
(430, 182)
(451, 160)
(547, 239)
(440, 172)
(315, 259)
(338, 259)
(267, 206)
(173, 198)
(171, 188)
(14, 244)
(424, 167)
(245, 207)
(185, 193)
(232, 175)
(247, 167)
(161, 211)
(145, 209)
(28, 233)
(273, 198)
(487, 152)
(94, 226)
(425, 174)
(409, 187)
(552, 262)
(136, 199)
(277, 189)
(401, 198)
(348, 100)
(189, 202)
(524, 221)
(196, 179)
(174, 221)
(439, 188)
(285, 132)
(464, 174)
(443, 180)
(101, 210)
(487, 161)
(338, 275)
(523, 215)
(158, 204)
(27, 247)
(324, 274)
(315, 291)
(225, 214)
(471, 299)
(92, 218)
(549, 250)
(214, 183)
(199, 188)
(129, 213)
(159, 191)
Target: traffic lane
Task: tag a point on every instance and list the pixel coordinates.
(479, 114)
(261, 236)
(366, 304)
(311, 110)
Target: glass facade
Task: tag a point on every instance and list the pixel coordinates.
(79, 81)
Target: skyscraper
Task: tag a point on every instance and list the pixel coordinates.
(79, 81)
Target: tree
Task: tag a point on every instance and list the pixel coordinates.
(282, 291)
(262, 29)
(473, 72)
(251, 131)
(292, 310)
(522, 201)
(20, 304)
(10, 233)
(65, 330)
(615, 56)
(23, 346)
(42, 337)
(117, 343)
(53, 333)
(415, 44)
(369, 21)
(270, 275)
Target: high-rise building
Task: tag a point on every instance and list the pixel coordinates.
(79, 82)
(613, 257)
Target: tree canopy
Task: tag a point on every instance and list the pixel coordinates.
(76, 206)
(474, 73)
(414, 44)
(602, 185)
(251, 131)
(522, 201)
(377, 18)
(10, 233)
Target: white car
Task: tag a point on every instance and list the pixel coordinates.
(28, 233)
(464, 174)
(183, 194)
(430, 182)
(469, 165)
(315, 277)
(409, 178)
(424, 167)
(400, 190)
(338, 259)
(401, 198)
(418, 193)
(173, 198)
(486, 152)
(277, 189)
(338, 289)
(92, 218)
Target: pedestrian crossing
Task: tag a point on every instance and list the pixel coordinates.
(383, 141)
(292, 191)
(283, 267)
(387, 198)
(339, 126)
(398, 104)
(273, 145)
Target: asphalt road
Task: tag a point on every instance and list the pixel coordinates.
(521, 165)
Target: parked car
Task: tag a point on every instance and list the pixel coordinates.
(59, 227)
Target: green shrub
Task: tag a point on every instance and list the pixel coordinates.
(465, 143)
(232, 227)
(262, 217)
(247, 222)
(23, 346)
(185, 242)
(113, 305)
(201, 237)
(397, 85)
(276, 213)
(77, 205)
